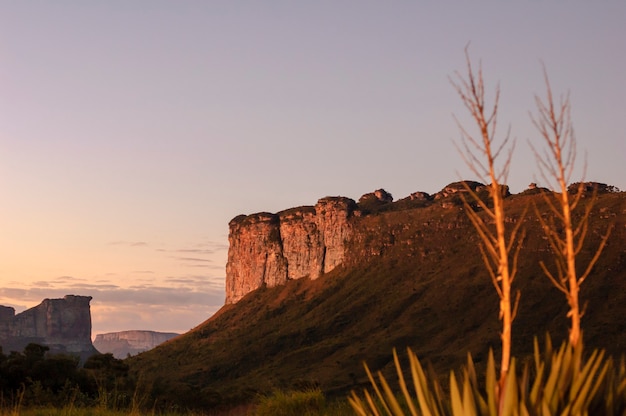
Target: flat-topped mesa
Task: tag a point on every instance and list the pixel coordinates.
(123, 343)
(269, 249)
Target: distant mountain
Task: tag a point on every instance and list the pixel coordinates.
(125, 343)
(64, 325)
(405, 274)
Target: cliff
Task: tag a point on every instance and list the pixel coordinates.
(64, 325)
(122, 344)
(269, 249)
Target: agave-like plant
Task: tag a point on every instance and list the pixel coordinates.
(555, 382)
(570, 384)
(615, 391)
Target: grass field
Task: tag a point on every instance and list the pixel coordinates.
(310, 402)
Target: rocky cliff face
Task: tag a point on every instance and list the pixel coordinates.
(268, 249)
(121, 344)
(64, 325)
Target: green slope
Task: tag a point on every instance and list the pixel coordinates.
(414, 278)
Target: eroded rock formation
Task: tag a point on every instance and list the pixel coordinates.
(268, 249)
(122, 344)
(64, 325)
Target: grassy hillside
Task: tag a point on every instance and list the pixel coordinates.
(414, 277)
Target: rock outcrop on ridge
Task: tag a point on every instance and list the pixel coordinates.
(269, 249)
(124, 343)
(64, 325)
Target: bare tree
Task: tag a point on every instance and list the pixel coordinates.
(481, 153)
(565, 234)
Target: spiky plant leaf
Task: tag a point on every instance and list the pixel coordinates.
(538, 387)
(592, 380)
(372, 405)
(390, 401)
(584, 376)
(550, 391)
(441, 401)
(455, 396)
(491, 385)
(523, 383)
(469, 402)
(536, 354)
(357, 404)
(405, 391)
(510, 398)
(471, 369)
(425, 398)
(480, 402)
(379, 395)
(549, 349)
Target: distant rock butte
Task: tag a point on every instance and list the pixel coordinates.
(64, 325)
(121, 344)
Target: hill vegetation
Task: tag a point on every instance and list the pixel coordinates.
(414, 279)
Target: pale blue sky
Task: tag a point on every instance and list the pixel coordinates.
(131, 132)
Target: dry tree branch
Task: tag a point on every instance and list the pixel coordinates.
(567, 237)
(557, 283)
(518, 294)
(596, 256)
(480, 153)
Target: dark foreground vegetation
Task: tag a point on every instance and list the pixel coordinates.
(34, 378)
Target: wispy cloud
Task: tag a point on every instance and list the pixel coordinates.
(87, 286)
(194, 259)
(198, 262)
(194, 251)
(188, 280)
(129, 243)
(206, 248)
(70, 278)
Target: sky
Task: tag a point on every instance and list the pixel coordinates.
(132, 132)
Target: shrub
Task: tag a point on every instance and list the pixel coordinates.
(292, 403)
